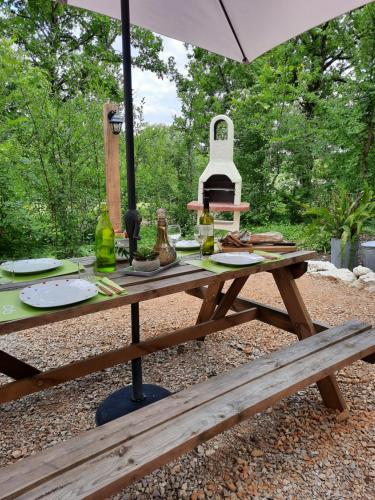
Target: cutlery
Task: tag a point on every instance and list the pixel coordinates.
(268, 256)
(112, 285)
(104, 290)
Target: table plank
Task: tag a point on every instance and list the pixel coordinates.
(185, 278)
(180, 269)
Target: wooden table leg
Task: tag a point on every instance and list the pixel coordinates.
(209, 303)
(216, 304)
(230, 296)
(304, 328)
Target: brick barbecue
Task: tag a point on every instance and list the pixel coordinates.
(221, 180)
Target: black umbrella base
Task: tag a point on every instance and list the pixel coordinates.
(120, 402)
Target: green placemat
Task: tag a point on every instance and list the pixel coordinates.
(68, 267)
(11, 307)
(208, 265)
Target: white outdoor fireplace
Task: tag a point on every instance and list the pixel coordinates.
(220, 180)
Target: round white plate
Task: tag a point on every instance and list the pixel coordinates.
(30, 266)
(187, 245)
(236, 258)
(57, 293)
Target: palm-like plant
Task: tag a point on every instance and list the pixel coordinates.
(345, 215)
(145, 253)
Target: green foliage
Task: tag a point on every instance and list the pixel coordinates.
(303, 115)
(56, 71)
(75, 47)
(145, 253)
(345, 215)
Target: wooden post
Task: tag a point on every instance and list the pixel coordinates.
(304, 328)
(112, 168)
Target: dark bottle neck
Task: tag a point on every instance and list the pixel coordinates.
(206, 204)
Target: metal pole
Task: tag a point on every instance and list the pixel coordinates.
(132, 219)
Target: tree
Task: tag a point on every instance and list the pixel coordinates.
(303, 112)
(75, 47)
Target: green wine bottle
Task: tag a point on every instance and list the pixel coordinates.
(104, 243)
(206, 228)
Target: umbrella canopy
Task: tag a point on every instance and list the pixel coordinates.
(239, 29)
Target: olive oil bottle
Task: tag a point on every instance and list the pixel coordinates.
(104, 243)
(206, 228)
(167, 254)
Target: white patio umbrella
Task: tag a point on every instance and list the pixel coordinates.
(238, 29)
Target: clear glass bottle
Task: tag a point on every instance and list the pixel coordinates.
(104, 243)
(206, 228)
(167, 253)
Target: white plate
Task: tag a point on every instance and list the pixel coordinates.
(236, 258)
(30, 266)
(187, 245)
(58, 293)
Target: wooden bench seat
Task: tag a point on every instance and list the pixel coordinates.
(103, 460)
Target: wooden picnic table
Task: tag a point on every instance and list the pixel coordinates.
(213, 316)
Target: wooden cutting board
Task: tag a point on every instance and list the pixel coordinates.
(248, 249)
(276, 248)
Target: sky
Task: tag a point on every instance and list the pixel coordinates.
(161, 101)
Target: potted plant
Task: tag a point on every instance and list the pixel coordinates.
(146, 260)
(343, 219)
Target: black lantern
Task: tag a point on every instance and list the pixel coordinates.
(115, 119)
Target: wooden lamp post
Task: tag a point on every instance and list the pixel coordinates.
(112, 163)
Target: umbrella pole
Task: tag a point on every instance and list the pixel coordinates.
(137, 395)
(132, 219)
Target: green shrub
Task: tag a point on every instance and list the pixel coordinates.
(345, 216)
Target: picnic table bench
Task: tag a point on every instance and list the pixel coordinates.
(104, 460)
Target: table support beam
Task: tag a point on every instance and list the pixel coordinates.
(15, 368)
(304, 328)
(267, 314)
(216, 304)
(209, 303)
(229, 297)
(41, 381)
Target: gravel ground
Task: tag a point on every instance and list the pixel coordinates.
(297, 449)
